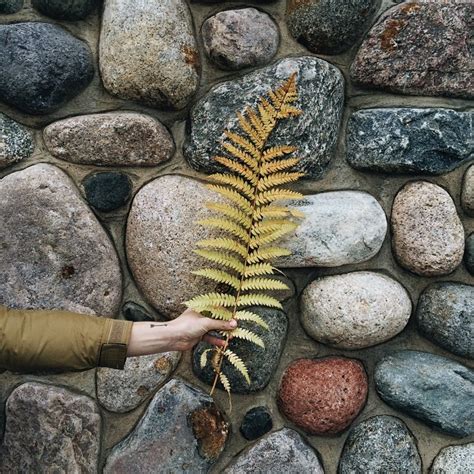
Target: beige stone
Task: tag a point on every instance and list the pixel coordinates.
(467, 195)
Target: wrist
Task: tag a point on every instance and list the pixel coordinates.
(151, 338)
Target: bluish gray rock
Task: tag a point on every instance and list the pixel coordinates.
(469, 254)
(380, 444)
(429, 387)
(108, 190)
(445, 315)
(16, 142)
(321, 98)
(8, 7)
(70, 10)
(431, 141)
(42, 66)
(457, 459)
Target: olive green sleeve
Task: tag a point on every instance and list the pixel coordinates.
(50, 339)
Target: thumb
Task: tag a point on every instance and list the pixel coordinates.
(216, 325)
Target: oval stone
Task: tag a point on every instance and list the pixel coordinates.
(467, 193)
(428, 236)
(454, 460)
(354, 310)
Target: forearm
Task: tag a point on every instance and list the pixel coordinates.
(151, 338)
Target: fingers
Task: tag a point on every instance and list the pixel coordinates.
(214, 340)
(216, 325)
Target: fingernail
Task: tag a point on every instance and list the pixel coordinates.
(233, 323)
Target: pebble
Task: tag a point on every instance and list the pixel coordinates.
(432, 388)
(467, 193)
(445, 315)
(256, 422)
(55, 254)
(469, 255)
(70, 10)
(16, 142)
(235, 39)
(161, 66)
(323, 396)
(321, 98)
(354, 310)
(428, 236)
(178, 412)
(110, 139)
(107, 191)
(406, 140)
(8, 7)
(457, 459)
(42, 66)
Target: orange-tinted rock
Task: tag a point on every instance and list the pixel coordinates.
(323, 396)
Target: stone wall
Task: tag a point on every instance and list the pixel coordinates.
(109, 117)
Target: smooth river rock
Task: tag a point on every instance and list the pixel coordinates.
(282, 451)
(445, 315)
(70, 10)
(16, 142)
(54, 252)
(110, 139)
(354, 310)
(406, 140)
(429, 387)
(467, 193)
(419, 48)
(107, 191)
(160, 67)
(256, 422)
(339, 228)
(457, 459)
(50, 429)
(42, 66)
(380, 444)
(428, 236)
(321, 98)
(329, 26)
(182, 430)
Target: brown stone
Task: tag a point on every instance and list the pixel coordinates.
(323, 396)
(467, 194)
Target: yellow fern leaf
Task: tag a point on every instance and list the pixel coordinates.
(242, 155)
(277, 152)
(218, 312)
(226, 225)
(258, 269)
(258, 299)
(269, 225)
(218, 275)
(242, 333)
(226, 384)
(278, 179)
(238, 168)
(221, 259)
(232, 212)
(235, 182)
(289, 111)
(238, 363)
(259, 240)
(263, 284)
(267, 116)
(234, 196)
(245, 315)
(203, 358)
(266, 253)
(270, 167)
(225, 244)
(245, 144)
(257, 123)
(248, 128)
(272, 195)
(210, 300)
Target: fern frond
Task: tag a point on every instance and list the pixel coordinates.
(272, 195)
(270, 167)
(258, 299)
(257, 123)
(218, 275)
(218, 312)
(289, 111)
(244, 315)
(267, 116)
(225, 244)
(248, 159)
(226, 384)
(238, 168)
(226, 225)
(217, 257)
(277, 179)
(234, 196)
(266, 253)
(247, 335)
(246, 145)
(238, 183)
(203, 358)
(238, 363)
(210, 300)
(232, 212)
(263, 284)
(248, 128)
(269, 225)
(258, 269)
(277, 152)
(259, 240)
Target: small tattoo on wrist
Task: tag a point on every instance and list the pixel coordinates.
(156, 325)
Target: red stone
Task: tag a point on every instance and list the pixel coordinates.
(323, 396)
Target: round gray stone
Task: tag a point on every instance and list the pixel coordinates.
(329, 26)
(70, 10)
(380, 444)
(429, 387)
(445, 315)
(161, 66)
(54, 252)
(354, 310)
(467, 193)
(16, 141)
(8, 7)
(469, 254)
(431, 141)
(457, 459)
(42, 66)
(110, 139)
(339, 228)
(107, 191)
(321, 98)
(234, 39)
(428, 236)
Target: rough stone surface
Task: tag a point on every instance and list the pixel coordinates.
(339, 228)
(256, 422)
(123, 390)
(234, 39)
(107, 191)
(163, 51)
(110, 139)
(323, 396)
(42, 66)
(10, 6)
(321, 97)
(182, 430)
(454, 460)
(50, 429)
(65, 9)
(434, 389)
(431, 141)
(420, 49)
(283, 450)
(380, 444)
(135, 312)
(16, 142)
(329, 26)
(428, 236)
(354, 310)
(469, 254)
(59, 258)
(261, 362)
(445, 314)
(467, 194)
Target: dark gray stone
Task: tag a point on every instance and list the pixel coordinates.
(16, 142)
(469, 254)
(445, 315)
(380, 444)
(321, 98)
(261, 362)
(107, 191)
(457, 459)
(429, 387)
(182, 430)
(42, 66)
(134, 312)
(10, 6)
(329, 26)
(65, 9)
(257, 421)
(431, 141)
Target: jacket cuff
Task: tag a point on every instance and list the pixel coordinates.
(114, 343)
